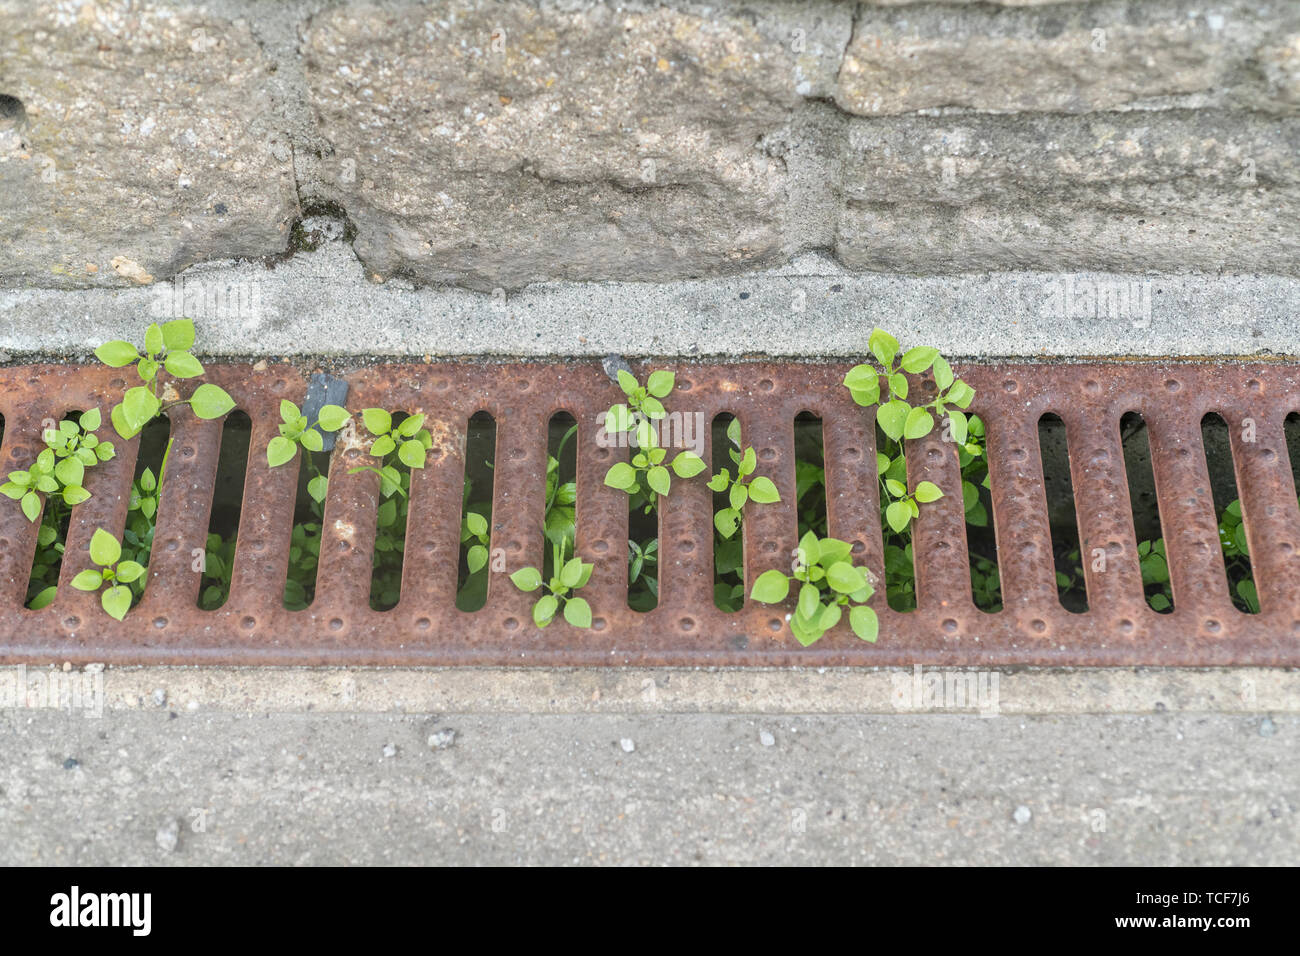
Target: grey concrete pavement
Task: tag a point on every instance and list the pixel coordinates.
(673, 788)
(473, 766)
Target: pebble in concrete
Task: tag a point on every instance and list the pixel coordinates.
(168, 836)
(442, 739)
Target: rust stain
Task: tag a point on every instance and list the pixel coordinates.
(425, 628)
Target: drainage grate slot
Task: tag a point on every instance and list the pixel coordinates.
(1291, 432)
(1152, 561)
(642, 552)
(43, 582)
(977, 506)
(144, 504)
(1233, 542)
(476, 512)
(893, 462)
(1057, 460)
(728, 535)
(560, 521)
(314, 474)
(391, 519)
(218, 559)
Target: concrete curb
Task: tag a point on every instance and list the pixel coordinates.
(321, 304)
(648, 691)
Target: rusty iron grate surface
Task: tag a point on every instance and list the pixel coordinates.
(686, 628)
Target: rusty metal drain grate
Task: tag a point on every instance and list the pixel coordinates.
(686, 628)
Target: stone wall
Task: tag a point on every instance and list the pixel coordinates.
(496, 144)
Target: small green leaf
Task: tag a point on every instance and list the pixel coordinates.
(738, 495)
(577, 612)
(942, 373)
(148, 369)
(892, 416)
(621, 475)
(139, 406)
(311, 440)
(43, 598)
(74, 495)
(377, 421)
(178, 335)
(476, 523)
(318, 487)
(571, 573)
(544, 610)
(70, 471)
(845, 578)
(626, 382)
(645, 434)
(116, 601)
(475, 558)
(810, 550)
(864, 623)
(763, 490)
(898, 385)
(918, 424)
(660, 383)
(720, 481)
(617, 420)
(958, 427)
(829, 617)
(809, 600)
(382, 446)
(805, 634)
(895, 487)
(91, 420)
(527, 579)
(104, 549)
(726, 521)
(289, 412)
(31, 505)
(88, 580)
(919, 359)
(883, 346)
(927, 491)
(128, 571)
(210, 401)
(117, 353)
(333, 417)
(411, 454)
(898, 515)
(659, 479)
(182, 365)
(13, 490)
(960, 394)
(153, 339)
(863, 376)
(279, 450)
(105, 450)
(771, 587)
(653, 408)
(687, 464)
